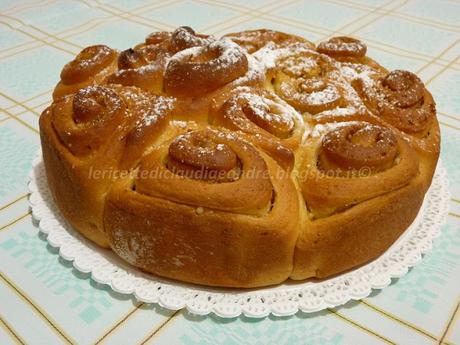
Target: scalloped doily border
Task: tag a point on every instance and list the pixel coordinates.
(282, 300)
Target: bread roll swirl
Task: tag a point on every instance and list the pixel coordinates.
(353, 162)
(84, 121)
(198, 152)
(306, 81)
(343, 46)
(88, 62)
(255, 201)
(400, 98)
(207, 68)
(357, 146)
(185, 37)
(407, 104)
(84, 137)
(142, 66)
(91, 66)
(158, 37)
(269, 122)
(217, 164)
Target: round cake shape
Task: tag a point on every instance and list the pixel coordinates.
(242, 161)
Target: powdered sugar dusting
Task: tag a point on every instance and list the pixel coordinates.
(328, 95)
(179, 124)
(271, 109)
(338, 112)
(230, 52)
(151, 110)
(319, 130)
(255, 71)
(154, 66)
(184, 35)
(160, 106)
(270, 54)
(298, 66)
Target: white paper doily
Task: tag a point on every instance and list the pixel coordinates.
(282, 300)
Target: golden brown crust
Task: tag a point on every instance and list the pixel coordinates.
(334, 244)
(364, 171)
(83, 138)
(171, 230)
(241, 161)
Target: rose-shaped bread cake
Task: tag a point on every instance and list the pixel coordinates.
(241, 161)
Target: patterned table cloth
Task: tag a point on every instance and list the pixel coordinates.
(43, 300)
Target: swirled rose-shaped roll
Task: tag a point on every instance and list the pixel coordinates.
(145, 65)
(253, 40)
(351, 54)
(310, 82)
(199, 205)
(91, 66)
(185, 37)
(362, 180)
(158, 37)
(267, 120)
(83, 139)
(182, 38)
(400, 99)
(343, 47)
(337, 166)
(207, 68)
(84, 120)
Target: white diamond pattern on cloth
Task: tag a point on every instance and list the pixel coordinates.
(282, 300)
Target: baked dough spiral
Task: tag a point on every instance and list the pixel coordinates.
(353, 162)
(207, 68)
(83, 146)
(309, 82)
(347, 173)
(83, 121)
(264, 117)
(144, 65)
(343, 47)
(400, 98)
(238, 185)
(91, 66)
(209, 156)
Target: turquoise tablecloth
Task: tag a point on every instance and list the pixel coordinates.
(44, 301)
